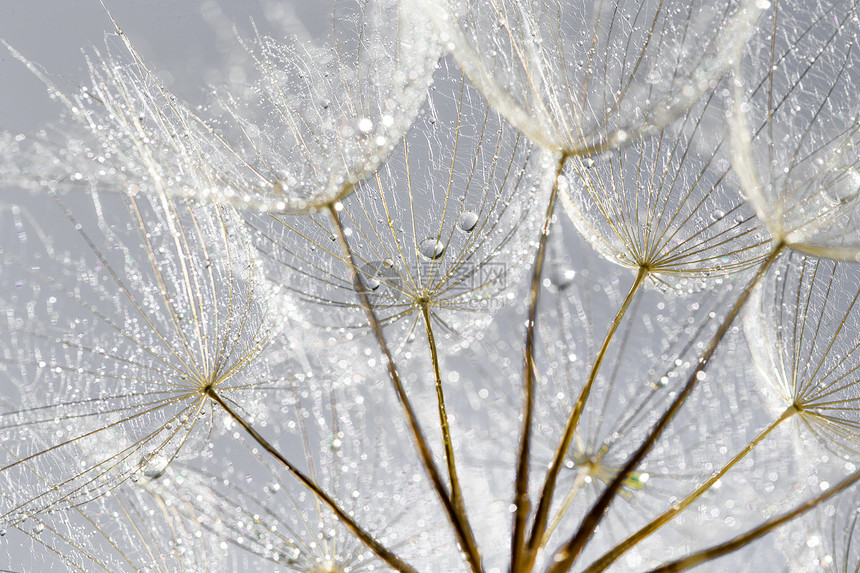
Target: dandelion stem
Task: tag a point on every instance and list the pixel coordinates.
(381, 551)
(521, 495)
(542, 514)
(568, 553)
(617, 551)
(460, 528)
(578, 482)
(456, 492)
(755, 533)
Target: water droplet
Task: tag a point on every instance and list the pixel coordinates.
(467, 220)
(562, 277)
(843, 189)
(431, 248)
(371, 283)
(717, 215)
(372, 275)
(838, 178)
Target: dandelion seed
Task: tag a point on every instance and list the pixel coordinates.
(802, 332)
(795, 135)
(554, 71)
(140, 333)
(661, 204)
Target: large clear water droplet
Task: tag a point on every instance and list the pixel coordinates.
(842, 188)
(431, 248)
(838, 177)
(467, 221)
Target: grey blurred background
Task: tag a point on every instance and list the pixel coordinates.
(189, 43)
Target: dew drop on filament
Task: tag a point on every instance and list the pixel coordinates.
(431, 248)
(467, 221)
(842, 189)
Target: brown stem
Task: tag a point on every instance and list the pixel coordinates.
(755, 533)
(381, 551)
(542, 515)
(521, 495)
(456, 492)
(658, 522)
(460, 529)
(567, 554)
